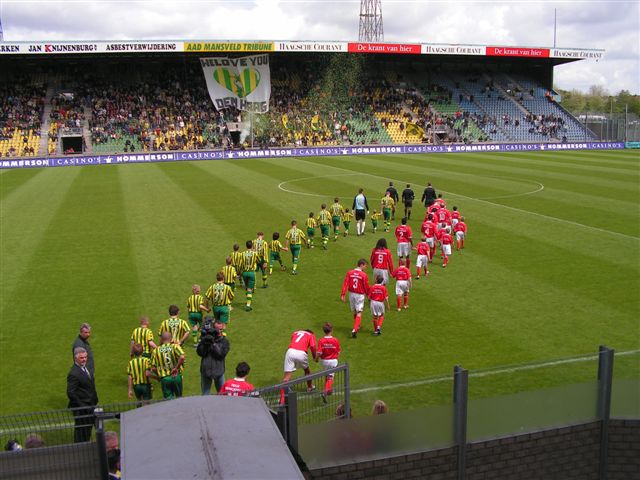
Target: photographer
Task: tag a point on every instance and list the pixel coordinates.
(213, 348)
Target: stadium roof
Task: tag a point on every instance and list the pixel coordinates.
(556, 55)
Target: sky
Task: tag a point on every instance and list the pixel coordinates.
(612, 25)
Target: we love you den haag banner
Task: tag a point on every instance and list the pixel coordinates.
(242, 82)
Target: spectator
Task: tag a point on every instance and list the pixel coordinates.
(113, 460)
(33, 440)
(379, 408)
(111, 440)
(83, 342)
(81, 391)
(213, 348)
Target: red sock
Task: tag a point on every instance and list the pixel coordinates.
(399, 300)
(380, 320)
(433, 251)
(328, 385)
(375, 324)
(462, 243)
(446, 260)
(406, 299)
(417, 271)
(458, 242)
(408, 264)
(282, 396)
(357, 318)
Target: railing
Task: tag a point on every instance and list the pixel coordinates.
(304, 401)
(467, 407)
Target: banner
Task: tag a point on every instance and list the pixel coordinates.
(243, 83)
(414, 130)
(187, 156)
(227, 46)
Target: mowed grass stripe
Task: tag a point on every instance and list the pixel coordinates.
(25, 216)
(12, 180)
(566, 162)
(80, 271)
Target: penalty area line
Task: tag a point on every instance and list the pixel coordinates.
(488, 373)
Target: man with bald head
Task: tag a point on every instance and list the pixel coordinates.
(167, 364)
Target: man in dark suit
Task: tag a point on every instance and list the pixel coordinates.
(428, 196)
(81, 390)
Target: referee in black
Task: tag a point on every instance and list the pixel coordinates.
(407, 199)
(394, 194)
(429, 196)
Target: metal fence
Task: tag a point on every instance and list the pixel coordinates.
(611, 127)
(305, 400)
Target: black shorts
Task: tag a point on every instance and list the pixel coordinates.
(360, 214)
(408, 203)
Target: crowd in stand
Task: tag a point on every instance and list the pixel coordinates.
(21, 110)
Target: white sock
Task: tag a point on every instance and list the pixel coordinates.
(363, 226)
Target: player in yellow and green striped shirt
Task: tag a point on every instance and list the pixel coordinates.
(387, 204)
(261, 246)
(230, 273)
(293, 240)
(336, 214)
(178, 328)
(167, 362)
(144, 336)
(274, 252)
(375, 217)
(221, 297)
(196, 304)
(311, 229)
(346, 221)
(249, 265)
(324, 220)
(237, 260)
(138, 381)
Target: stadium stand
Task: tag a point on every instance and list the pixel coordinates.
(147, 111)
(21, 110)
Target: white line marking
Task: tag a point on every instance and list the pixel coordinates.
(589, 227)
(487, 373)
(539, 189)
(280, 185)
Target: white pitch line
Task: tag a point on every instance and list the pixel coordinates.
(487, 373)
(548, 217)
(539, 189)
(514, 195)
(280, 185)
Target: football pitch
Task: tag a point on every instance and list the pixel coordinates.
(550, 269)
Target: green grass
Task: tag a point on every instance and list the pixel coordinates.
(546, 275)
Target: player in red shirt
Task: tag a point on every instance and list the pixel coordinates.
(429, 231)
(440, 201)
(461, 231)
(444, 217)
(296, 356)
(382, 260)
(238, 387)
(357, 283)
(455, 216)
(328, 352)
(404, 236)
(378, 295)
(403, 285)
(446, 241)
(422, 263)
